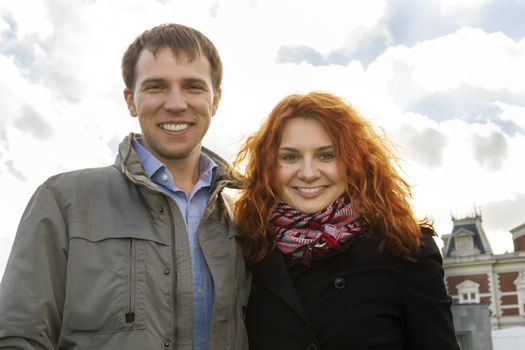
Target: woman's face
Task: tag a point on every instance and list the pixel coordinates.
(309, 172)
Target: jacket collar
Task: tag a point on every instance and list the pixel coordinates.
(272, 273)
(127, 161)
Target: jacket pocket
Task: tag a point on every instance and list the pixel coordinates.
(106, 289)
(135, 284)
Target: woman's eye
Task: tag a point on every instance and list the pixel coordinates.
(326, 156)
(288, 157)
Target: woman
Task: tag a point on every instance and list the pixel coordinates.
(339, 261)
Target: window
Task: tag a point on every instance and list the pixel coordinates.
(465, 341)
(469, 298)
(469, 292)
(520, 289)
(464, 241)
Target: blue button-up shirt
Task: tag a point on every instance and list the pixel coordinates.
(192, 209)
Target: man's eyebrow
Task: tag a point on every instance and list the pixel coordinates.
(152, 80)
(194, 80)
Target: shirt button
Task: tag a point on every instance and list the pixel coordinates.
(339, 283)
(167, 343)
(312, 346)
(164, 177)
(167, 271)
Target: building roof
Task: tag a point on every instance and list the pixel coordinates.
(467, 238)
(518, 231)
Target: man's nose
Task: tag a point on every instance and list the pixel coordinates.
(175, 101)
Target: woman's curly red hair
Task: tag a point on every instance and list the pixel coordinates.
(373, 183)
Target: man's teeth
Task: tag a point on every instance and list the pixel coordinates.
(175, 127)
(310, 189)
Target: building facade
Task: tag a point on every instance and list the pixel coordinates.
(472, 325)
(475, 275)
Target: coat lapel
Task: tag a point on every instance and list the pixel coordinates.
(272, 273)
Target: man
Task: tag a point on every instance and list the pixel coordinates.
(141, 254)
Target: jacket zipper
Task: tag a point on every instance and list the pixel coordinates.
(130, 314)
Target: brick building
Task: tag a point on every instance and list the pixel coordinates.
(474, 274)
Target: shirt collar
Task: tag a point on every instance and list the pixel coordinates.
(152, 166)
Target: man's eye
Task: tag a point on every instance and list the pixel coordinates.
(194, 87)
(155, 87)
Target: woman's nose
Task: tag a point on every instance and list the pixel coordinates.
(308, 171)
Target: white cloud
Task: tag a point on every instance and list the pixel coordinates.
(513, 113)
(461, 7)
(490, 61)
(463, 181)
(3, 25)
(322, 26)
(29, 23)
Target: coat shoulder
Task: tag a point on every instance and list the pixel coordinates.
(83, 177)
(428, 247)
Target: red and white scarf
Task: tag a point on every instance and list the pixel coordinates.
(302, 237)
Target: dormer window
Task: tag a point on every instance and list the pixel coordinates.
(468, 292)
(465, 244)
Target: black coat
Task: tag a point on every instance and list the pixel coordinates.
(360, 299)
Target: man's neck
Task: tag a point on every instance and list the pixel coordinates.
(185, 172)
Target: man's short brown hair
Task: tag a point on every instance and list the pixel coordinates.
(182, 40)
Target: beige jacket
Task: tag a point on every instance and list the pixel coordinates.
(95, 265)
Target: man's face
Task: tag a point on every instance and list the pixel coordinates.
(174, 101)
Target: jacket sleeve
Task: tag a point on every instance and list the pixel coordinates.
(32, 291)
(428, 317)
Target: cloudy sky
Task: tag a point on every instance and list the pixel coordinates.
(445, 79)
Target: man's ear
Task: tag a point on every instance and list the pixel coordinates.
(130, 101)
(216, 99)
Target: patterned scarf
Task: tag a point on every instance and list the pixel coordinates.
(302, 237)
